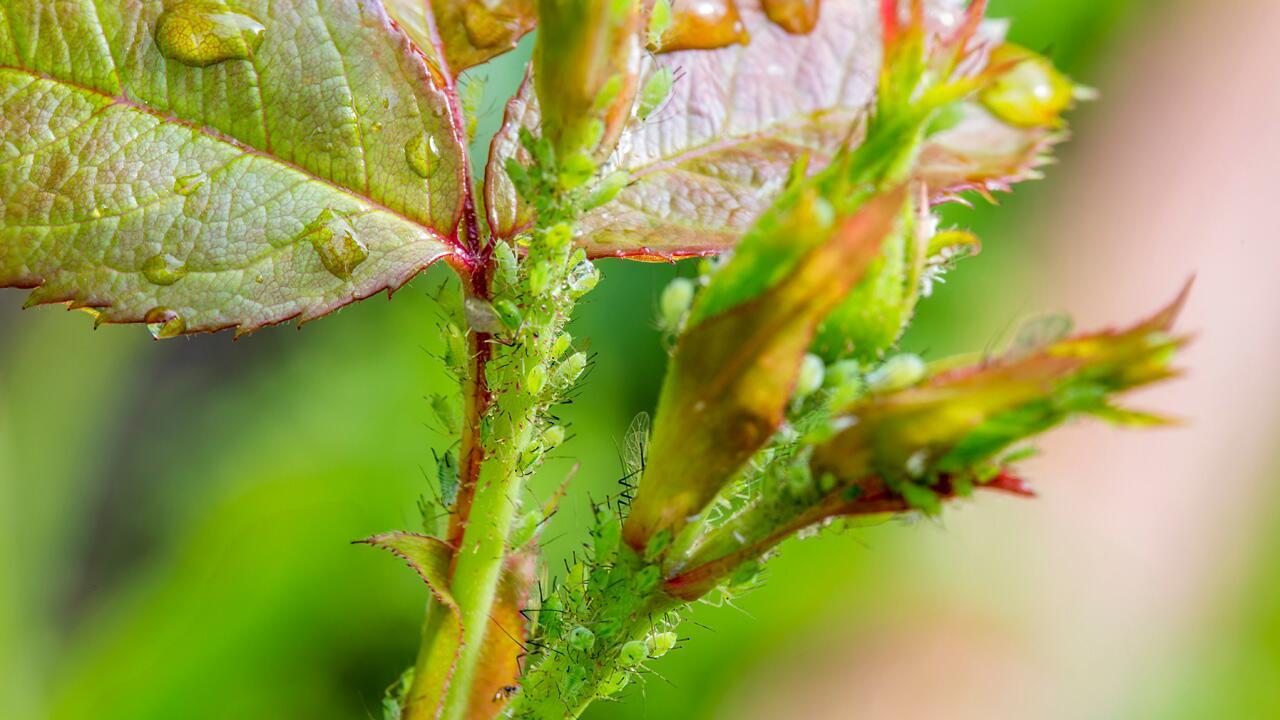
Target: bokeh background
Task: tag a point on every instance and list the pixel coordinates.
(175, 517)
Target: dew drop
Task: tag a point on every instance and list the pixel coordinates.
(201, 33)
(488, 28)
(704, 25)
(422, 154)
(336, 242)
(187, 184)
(798, 17)
(583, 278)
(164, 269)
(164, 323)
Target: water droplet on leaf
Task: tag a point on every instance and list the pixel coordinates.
(704, 25)
(336, 242)
(164, 269)
(798, 17)
(422, 154)
(583, 278)
(201, 33)
(163, 322)
(488, 28)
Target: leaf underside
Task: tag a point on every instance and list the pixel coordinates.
(252, 190)
(718, 151)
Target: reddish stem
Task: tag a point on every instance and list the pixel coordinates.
(476, 402)
(876, 499)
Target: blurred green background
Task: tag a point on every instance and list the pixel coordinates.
(175, 517)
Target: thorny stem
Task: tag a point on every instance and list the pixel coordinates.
(513, 378)
(473, 587)
(478, 567)
(476, 402)
(477, 599)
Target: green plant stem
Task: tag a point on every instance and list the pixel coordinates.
(420, 703)
(480, 558)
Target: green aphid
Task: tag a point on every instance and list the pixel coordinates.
(897, 373)
(456, 353)
(673, 305)
(444, 411)
(557, 237)
(576, 170)
(549, 616)
(570, 369)
(607, 189)
(798, 478)
(526, 527)
(509, 314)
(746, 574)
(506, 266)
(660, 19)
(656, 90)
(608, 94)
(539, 277)
(661, 643)
(561, 345)
(921, 498)
(613, 684)
(447, 478)
(607, 535)
(633, 653)
(582, 639)
(535, 379)
(647, 579)
(657, 545)
(553, 437)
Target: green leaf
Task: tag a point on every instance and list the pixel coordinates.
(216, 164)
(506, 213)
(959, 418)
(470, 32)
(904, 449)
(734, 371)
(430, 558)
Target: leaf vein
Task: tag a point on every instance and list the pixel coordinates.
(450, 240)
